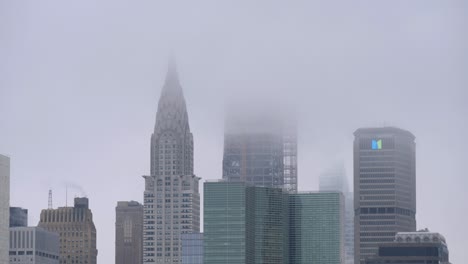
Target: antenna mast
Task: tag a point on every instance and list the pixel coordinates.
(50, 199)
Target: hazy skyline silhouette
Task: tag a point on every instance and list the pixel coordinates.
(80, 83)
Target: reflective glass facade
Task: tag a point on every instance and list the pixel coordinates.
(225, 223)
(18, 217)
(192, 248)
(248, 224)
(316, 228)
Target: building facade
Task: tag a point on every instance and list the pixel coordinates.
(171, 196)
(33, 245)
(384, 187)
(421, 247)
(76, 230)
(252, 224)
(129, 233)
(316, 228)
(192, 248)
(261, 149)
(18, 217)
(4, 207)
(225, 223)
(334, 179)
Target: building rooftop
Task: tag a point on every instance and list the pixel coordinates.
(374, 130)
(419, 237)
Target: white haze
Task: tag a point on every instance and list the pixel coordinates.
(80, 81)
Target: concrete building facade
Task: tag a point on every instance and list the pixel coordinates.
(334, 179)
(18, 217)
(76, 230)
(384, 187)
(33, 245)
(4, 207)
(129, 233)
(171, 196)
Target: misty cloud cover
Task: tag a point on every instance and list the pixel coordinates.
(80, 82)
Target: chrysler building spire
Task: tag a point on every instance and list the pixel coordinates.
(171, 197)
(171, 140)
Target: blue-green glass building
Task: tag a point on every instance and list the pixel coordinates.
(316, 228)
(263, 225)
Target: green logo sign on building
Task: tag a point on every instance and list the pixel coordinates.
(376, 144)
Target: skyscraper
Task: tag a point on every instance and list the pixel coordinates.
(129, 233)
(260, 148)
(4, 207)
(245, 224)
(384, 187)
(171, 197)
(18, 217)
(253, 224)
(334, 179)
(76, 229)
(316, 225)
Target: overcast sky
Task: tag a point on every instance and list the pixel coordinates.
(80, 82)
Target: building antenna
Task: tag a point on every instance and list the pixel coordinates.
(50, 199)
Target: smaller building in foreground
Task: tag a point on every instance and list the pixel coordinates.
(18, 217)
(129, 233)
(33, 245)
(192, 248)
(76, 229)
(422, 247)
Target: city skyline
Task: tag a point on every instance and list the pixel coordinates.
(78, 113)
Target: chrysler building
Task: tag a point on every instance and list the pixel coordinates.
(171, 197)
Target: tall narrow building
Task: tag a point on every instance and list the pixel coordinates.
(4, 207)
(334, 179)
(76, 229)
(129, 233)
(384, 187)
(171, 196)
(261, 149)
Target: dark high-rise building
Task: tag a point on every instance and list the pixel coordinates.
(129, 233)
(171, 196)
(18, 217)
(76, 229)
(384, 187)
(422, 247)
(260, 149)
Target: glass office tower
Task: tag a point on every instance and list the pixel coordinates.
(251, 224)
(316, 228)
